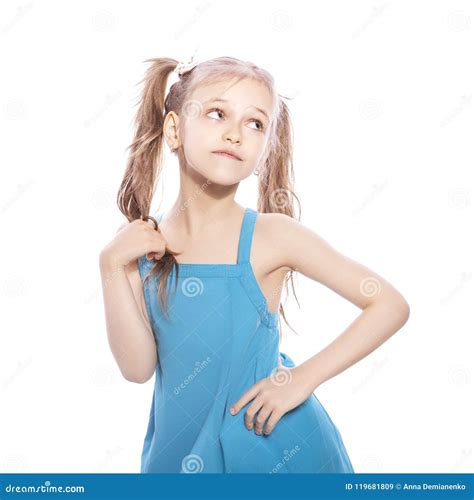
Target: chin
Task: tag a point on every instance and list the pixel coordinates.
(223, 179)
(221, 174)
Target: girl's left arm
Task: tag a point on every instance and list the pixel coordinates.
(384, 309)
(384, 312)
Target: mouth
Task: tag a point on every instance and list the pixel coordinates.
(228, 154)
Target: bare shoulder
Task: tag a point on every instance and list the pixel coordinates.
(271, 230)
(296, 247)
(303, 250)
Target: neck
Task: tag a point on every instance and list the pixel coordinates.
(203, 206)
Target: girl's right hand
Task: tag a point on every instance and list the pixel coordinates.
(134, 239)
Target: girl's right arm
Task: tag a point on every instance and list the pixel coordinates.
(129, 332)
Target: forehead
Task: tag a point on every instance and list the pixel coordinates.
(244, 93)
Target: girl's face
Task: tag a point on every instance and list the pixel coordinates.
(230, 115)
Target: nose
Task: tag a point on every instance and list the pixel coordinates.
(233, 136)
(232, 141)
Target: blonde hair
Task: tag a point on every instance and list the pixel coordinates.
(145, 161)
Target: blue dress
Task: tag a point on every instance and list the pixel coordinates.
(219, 340)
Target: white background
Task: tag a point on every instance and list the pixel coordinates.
(383, 120)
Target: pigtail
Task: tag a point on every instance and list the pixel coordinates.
(145, 160)
(276, 180)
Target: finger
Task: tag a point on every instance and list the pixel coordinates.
(244, 399)
(272, 421)
(153, 223)
(149, 226)
(262, 416)
(155, 255)
(157, 246)
(257, 403)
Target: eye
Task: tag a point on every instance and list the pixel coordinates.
(260, 123)
(218, 110)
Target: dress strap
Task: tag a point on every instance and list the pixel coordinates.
(246, 234)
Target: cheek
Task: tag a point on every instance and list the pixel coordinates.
(257, 144)
(199, 132)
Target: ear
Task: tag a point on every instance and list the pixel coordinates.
(171, 129)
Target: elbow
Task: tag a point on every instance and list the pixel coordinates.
(144, 373)
(141, 371)
(396, 307)
(407, 310)
(403, 309)
(137, 378)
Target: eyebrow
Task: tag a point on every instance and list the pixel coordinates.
(218, 99)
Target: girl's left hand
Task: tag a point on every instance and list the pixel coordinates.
(274, 396)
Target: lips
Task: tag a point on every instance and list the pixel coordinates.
(228, 154)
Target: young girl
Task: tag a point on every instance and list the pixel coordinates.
(194, 296)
